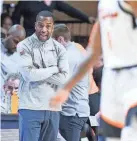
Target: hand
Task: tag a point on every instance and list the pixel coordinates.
(92, 20)
(60, 98)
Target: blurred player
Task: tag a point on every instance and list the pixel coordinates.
(116, 32)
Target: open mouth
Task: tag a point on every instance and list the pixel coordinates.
(42, 35)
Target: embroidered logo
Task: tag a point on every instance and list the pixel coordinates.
(22, 52)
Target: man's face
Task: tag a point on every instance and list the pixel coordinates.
(12, 86)
(11, 43)
(44, 28)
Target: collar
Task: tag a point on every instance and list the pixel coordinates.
(49, 44)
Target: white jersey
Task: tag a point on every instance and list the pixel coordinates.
(118, 33)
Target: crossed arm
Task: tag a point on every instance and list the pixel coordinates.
(57, 75)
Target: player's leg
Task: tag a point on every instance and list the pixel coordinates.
(110, 130)
(129, 132)
(112, 116)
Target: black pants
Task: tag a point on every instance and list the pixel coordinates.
(94, 103)
(71, 126)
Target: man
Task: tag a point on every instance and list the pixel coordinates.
(15, 34)
(8, 47)
(29, 10)
(7, 67)
(75, 111)
(11, 88)
(120, 63)
(44, 68)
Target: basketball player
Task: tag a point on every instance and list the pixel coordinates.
(116, 32)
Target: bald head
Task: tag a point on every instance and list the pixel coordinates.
(15, 34)
(18, 31)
